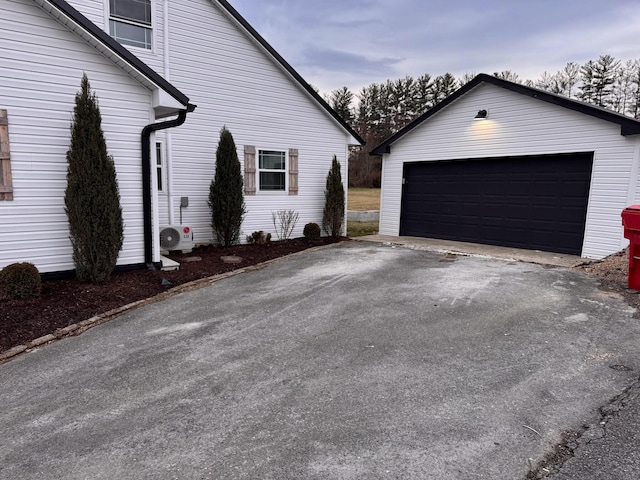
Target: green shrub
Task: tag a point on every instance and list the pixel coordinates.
(311, 231)
(20, 281)
(92, 196)
(226, 198)
(334, 207)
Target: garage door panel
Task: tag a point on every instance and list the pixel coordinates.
(525, 202)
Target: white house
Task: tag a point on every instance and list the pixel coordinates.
(504, 164)
(168, 74)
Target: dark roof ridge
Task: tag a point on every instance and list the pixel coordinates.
(628, 126)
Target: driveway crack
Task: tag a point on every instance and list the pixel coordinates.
(571, 441)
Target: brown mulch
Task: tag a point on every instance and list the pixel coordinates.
(612, 273)
(65, 302)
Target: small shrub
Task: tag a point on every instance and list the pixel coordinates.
(20, 281)
(92, 196)
(311, 231)
(259, 238)
(284, 221)
(334, 206)
(226, 197)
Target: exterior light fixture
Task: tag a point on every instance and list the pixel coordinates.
(482, 114)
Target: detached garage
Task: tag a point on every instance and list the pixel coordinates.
(503, 164)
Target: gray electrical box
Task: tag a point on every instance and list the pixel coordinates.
(184, 202)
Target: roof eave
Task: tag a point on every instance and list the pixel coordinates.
(111, 49)
(628, 126)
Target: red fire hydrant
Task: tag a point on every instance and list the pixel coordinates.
(631, 224)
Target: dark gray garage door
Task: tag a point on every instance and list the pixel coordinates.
(525, 202)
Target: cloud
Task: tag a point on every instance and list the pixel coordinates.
(340, 61)
(357, 42)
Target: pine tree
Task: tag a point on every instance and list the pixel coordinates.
(226, 199)
(604, 73)
(587, 89)
(341, 100)
(92, 197)
(334, 206)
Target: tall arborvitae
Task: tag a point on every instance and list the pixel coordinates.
(92, 197)
(226, 199)
(334, 202)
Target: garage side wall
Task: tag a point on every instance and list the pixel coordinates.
(42, 65)
(517, 126)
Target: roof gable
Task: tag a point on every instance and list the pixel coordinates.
(287, 67)
(112, 49)
(628, 126)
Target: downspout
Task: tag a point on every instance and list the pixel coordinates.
(146, 178)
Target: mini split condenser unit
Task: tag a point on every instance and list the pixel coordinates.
(176, 237)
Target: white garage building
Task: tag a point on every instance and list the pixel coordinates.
(500, 163)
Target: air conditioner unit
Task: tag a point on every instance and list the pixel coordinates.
(176, 237)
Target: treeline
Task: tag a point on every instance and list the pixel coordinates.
(381, 109)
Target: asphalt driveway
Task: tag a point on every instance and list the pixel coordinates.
(359, 361)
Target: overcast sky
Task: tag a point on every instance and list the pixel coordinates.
(333, 43)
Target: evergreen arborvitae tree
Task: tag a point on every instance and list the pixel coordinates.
(226, 199)
(92, 197)
(334, 202)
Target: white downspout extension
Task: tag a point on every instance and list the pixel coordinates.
(155, 199)
(168, 147)
(345, 183)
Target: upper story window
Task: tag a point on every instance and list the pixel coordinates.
(130, 22)
(272, 169)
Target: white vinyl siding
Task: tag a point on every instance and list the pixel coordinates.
(235, 84)
(520, 125)
(43, 63)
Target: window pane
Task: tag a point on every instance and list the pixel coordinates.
(271, 181)
(159, 164)
(134, 10)
(272, 160)
(128, 34)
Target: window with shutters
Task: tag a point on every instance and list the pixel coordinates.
(271, 171)
(6, 186)
(130, 22)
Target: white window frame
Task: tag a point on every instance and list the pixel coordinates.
(149, 27)
(284, 171)
(161, 177)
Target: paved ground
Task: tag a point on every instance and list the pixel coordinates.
(352, 362)
(609, 450)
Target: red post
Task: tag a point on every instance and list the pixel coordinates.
(631, 224)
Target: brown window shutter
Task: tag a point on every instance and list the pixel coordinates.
(6, 186)
(249, 170)
(293, 171)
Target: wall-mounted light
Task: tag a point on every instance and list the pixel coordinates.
(482, 114)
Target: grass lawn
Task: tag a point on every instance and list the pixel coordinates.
(363, 199)
(358, 229)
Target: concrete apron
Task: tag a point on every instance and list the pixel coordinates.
(357, 361)
(478, 250)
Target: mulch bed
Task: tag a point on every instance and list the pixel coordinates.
(64, 302)
(612, 273)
